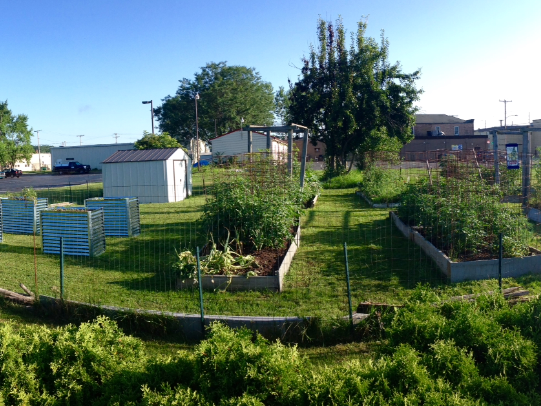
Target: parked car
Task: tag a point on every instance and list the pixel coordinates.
(13, 172)
(2, 174)
(71, 167)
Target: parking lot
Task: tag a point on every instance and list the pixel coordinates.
(46, 181)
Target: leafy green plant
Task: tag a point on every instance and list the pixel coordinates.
(218, 262)
(463, 217)
(259, 205)
(28, 193)
(382, 185)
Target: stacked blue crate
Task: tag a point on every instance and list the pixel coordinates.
(121, 215)
(22, 216)
(82, 230)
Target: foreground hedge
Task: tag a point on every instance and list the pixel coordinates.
(452, 354)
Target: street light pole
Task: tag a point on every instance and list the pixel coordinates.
(151, 113)
(197, 134)
(80, 139)
(39, 152)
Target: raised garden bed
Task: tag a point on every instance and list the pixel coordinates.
(272, 281)
(471, 270)
(22, 216)
(82, 230)
(121, 215)
(376, 205)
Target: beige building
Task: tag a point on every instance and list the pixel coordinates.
(517, 138)
(34, 164)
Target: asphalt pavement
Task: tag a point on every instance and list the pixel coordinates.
(46, 181)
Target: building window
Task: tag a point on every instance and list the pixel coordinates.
(438, 130)
(456, 130)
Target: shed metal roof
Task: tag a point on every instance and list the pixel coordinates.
(141, 155)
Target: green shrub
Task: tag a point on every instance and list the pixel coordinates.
(259, 208)
(382, 185)
(343, 181)
(463, 217)
(232, 363)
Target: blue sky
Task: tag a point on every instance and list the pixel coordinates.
(83, 68)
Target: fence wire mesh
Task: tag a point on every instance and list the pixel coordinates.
(251, 206)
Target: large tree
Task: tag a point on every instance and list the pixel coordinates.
(227, 94)
(155, 141)
(350, 97)
(15, 137)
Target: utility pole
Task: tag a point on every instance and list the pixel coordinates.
(80, 139)
(197, 134)
(39, 152)
(116, 137)
(505, 109)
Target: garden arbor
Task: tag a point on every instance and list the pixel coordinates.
(285, 129)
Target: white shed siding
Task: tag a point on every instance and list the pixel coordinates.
(150, 181)
(236, 143)
(92, 155)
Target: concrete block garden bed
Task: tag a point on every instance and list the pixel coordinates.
(237, 283)
(471, 270)
(376, 205)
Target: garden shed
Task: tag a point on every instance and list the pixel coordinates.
(237, 142)
(152, 175)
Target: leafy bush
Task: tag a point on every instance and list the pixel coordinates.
(382, 185)
(344, 180)
(259, 208)
(463, 217)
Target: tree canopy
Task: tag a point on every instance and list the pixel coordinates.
(353, 97)
(155, 141)
(227, 94)
(15, 137)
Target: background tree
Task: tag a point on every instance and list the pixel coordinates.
(44, 149)
(15, 137)
(281, 109)
(155, 141)
(227, 94)
(351, 98)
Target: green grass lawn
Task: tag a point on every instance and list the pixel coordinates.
(137, 273)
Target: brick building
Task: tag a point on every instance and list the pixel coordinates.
(313, 152)
(435, 132)
(441, 124)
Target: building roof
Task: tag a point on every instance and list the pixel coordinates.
(253, 132)
(141, 155)
(120, 145)
(439, 119)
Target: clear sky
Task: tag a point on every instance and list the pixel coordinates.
(83, 67)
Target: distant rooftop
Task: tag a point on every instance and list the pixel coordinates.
(125, 144)
(439, 119)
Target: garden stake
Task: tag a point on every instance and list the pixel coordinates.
(500, 262)
(200, 292)
(61, 268)
(349, 289)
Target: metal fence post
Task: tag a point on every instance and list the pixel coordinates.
(500, 257)
(496, 157)
(349, 288)
(526, 170)
(200, 292)
(61, 268)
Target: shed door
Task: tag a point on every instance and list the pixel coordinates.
(179, 174)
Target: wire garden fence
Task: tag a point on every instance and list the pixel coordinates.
(265, 249)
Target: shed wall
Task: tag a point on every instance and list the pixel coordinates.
(144, 180)
(236, 143)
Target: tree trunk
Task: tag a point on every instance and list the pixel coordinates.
(352, 160)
